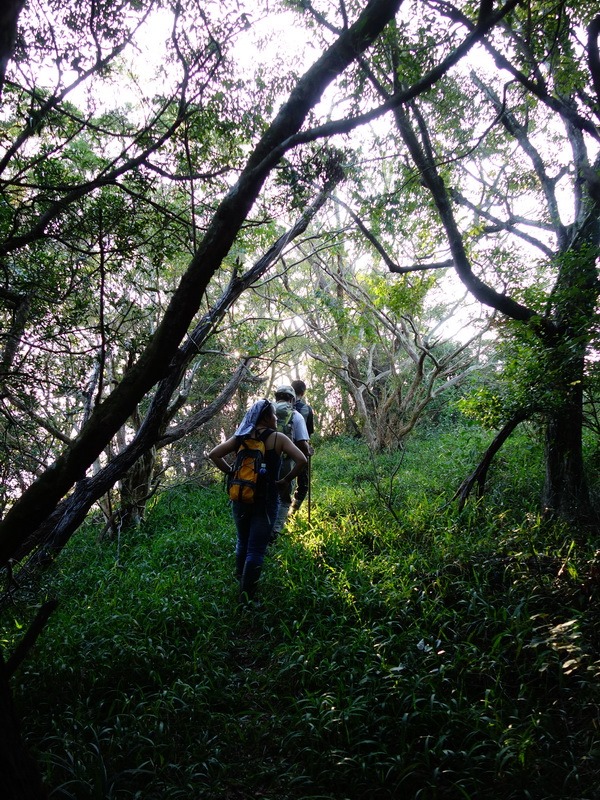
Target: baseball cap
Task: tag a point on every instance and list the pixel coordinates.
(285, 391)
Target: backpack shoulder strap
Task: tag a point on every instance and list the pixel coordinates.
(259, 437)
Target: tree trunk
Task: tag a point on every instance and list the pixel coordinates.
(566, 493)
(479, 474)
(9, 17)
(574, 302)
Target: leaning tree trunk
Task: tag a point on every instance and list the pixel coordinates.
(42, 497)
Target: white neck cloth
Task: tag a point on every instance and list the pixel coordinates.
(251, 417)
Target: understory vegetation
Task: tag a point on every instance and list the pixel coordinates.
(401, 648)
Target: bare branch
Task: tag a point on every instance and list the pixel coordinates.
(509, 225)
(43, 423)
(536, 87)
(431, 178)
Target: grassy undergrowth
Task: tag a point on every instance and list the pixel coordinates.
(402, 650)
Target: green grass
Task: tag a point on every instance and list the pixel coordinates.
(401, 649)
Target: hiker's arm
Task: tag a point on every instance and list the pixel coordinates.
(217, 454)
(306, 447)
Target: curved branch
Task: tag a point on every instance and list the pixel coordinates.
(52, 102)
(441, 197)
(56, 208)
(387, 260)
(502, 225)
(401, 97)
(479, 474)
(201, 417)
(519, 133)
(536, 87)
(47, 426)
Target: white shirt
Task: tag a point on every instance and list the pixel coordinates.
(299, 430)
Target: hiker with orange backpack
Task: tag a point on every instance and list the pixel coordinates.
(254, 509)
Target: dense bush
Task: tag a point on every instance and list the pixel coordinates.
(401, 649)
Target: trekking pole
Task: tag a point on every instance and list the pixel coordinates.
(309, 482)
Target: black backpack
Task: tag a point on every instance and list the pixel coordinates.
(307, 412)
(247, 480)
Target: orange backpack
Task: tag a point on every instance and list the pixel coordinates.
(247, 481)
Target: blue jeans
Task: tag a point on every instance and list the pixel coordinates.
(254, 522)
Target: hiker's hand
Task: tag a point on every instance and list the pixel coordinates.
(283, 486)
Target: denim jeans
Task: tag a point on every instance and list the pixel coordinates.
(253, 522)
